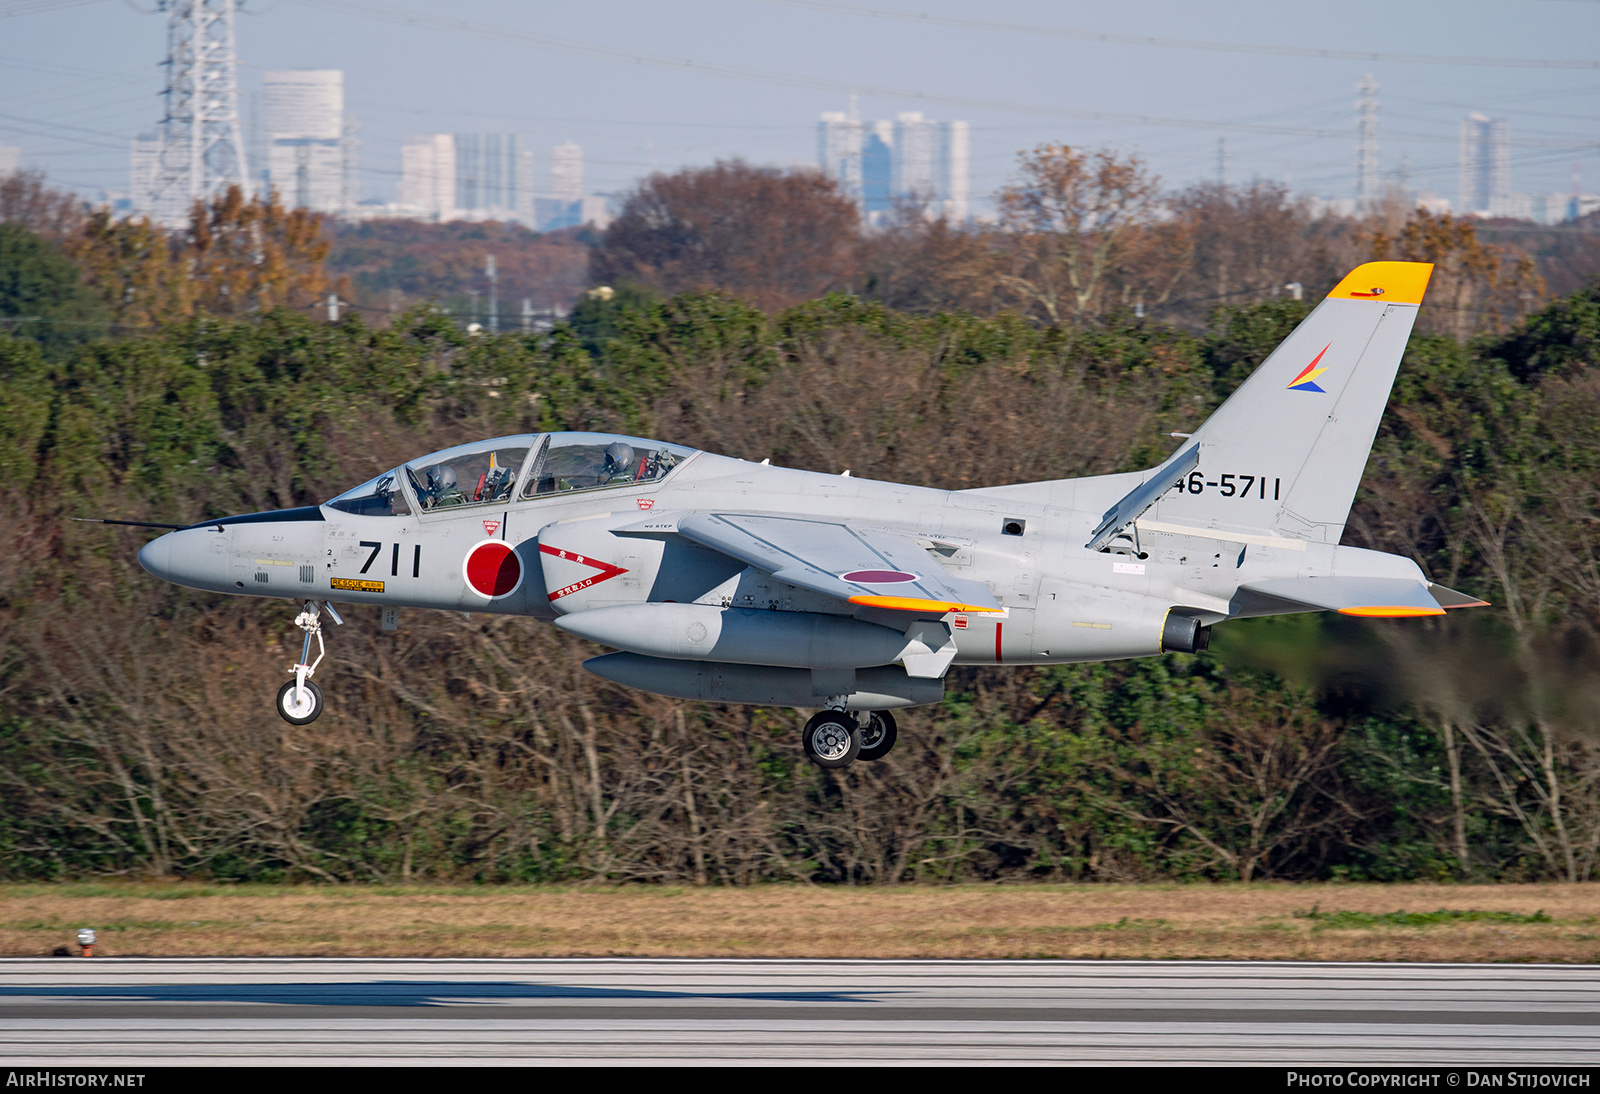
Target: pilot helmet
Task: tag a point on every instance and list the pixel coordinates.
(619, 458)
(441, 477)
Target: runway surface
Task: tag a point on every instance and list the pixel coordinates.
(131, 1011)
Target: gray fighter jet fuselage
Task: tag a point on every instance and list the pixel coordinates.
(724, 580)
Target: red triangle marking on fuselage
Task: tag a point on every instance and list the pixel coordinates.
(607, 570)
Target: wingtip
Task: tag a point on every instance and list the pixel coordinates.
(1450, 599)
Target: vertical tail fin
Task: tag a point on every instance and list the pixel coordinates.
(1286, 451)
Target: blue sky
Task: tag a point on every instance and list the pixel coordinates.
(659, 85)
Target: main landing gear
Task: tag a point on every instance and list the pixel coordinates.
(300, 701)
(837, 738)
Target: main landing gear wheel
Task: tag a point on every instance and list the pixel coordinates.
(831, 739)
(300, 705)
(878, 735)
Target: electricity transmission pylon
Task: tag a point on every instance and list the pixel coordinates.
(1367, 192)
(202, 148)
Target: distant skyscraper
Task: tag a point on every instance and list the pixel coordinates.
(307, 142)
(350, 156)
(145, 172)
(911, 158)
(931, 164)
(566, 172)
(494, 176)
(877, 169)
(595, 211)
(957, 170)
(915, 167)
(839, 150)
(428, 175)
(10, 159)
(1485, 165)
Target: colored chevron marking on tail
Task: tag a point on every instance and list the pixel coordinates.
(1303, 382)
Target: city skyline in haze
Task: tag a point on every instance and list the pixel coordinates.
(654, 87)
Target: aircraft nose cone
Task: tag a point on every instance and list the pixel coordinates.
(156, 557)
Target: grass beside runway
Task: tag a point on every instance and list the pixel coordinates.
(1263, 921)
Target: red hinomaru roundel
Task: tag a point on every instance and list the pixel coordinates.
(492, 569)
(878, 577)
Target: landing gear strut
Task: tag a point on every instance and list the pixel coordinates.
(836, 738)
(300, 701)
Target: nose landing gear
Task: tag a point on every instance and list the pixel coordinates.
(835, 739)
(300, 701)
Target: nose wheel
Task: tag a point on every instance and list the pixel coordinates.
(835, 738)
(300, 701)
(300, 704)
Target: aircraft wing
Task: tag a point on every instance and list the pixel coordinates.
(872, 568)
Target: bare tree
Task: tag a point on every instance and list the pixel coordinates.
(923, 264)
(27, 199)
(770, 236)
(1069, 211)
(1248, 244)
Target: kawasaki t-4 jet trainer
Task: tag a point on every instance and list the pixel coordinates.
(726, 581)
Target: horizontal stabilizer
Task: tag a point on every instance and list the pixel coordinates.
(872, 569)
(1381, 597)
(1449, 598)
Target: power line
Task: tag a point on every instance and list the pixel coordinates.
(1188, 43)
(513, 36)
(119, 142)
(33, 7)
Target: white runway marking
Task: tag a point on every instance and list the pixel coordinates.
(129, 1011)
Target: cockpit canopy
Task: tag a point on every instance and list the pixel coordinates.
(488, 472)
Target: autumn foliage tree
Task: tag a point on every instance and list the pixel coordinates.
(238, 255)
(1476, 286)
(252, 254)
(770, 236)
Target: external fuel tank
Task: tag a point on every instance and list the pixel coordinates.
(745, 636)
